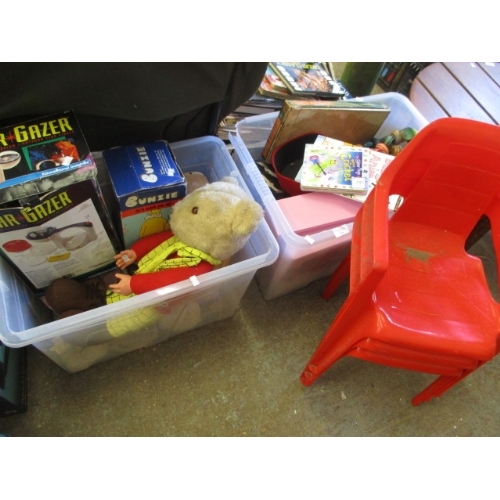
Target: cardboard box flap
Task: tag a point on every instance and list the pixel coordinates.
(142, 167)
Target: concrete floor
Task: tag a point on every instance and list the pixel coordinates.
(240, 377)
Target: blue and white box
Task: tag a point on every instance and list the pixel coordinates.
(146, 182)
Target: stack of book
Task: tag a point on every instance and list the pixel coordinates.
(332, 166)
(355, 122)
(286, 81)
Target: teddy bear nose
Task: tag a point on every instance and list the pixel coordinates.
(194, 210)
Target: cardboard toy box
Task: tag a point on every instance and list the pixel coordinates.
(53, 220)
(24, 320)
(43, 154)
(312, 255)
(64, 232)
(146, 182)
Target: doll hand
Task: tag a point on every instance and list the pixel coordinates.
(123, 285)
(125, 258)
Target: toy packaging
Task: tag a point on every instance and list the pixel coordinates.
(66, 232)
(43, 154)
(146, 182)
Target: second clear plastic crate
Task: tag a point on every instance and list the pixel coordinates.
(302, 260)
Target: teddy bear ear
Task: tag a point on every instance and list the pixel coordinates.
(246, 217)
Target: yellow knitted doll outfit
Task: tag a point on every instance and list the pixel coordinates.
(154, 261)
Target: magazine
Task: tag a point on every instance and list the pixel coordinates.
(307, 78)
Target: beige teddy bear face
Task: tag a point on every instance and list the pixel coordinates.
(217, 219)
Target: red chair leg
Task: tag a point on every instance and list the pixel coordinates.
(338, 276)
(328, 352)
(439, 387)
(339, 339)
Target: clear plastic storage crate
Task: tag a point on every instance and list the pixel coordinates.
(302, 260)
(70, 342)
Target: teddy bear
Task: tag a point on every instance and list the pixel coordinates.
(207, 227)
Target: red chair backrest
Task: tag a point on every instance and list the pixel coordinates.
(449, 175)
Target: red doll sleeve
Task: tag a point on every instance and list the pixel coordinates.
(144, 245)
(142, 283)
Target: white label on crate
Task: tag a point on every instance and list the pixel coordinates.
(194, 280)
(340, 231)
(309, 239)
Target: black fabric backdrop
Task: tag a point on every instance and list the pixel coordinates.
(124, 103)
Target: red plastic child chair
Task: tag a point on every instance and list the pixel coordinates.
(417, 299)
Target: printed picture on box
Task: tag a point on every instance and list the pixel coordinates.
(43, 154)
(41, 144)
(154, 222)
(72, 244)
(50, 154)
